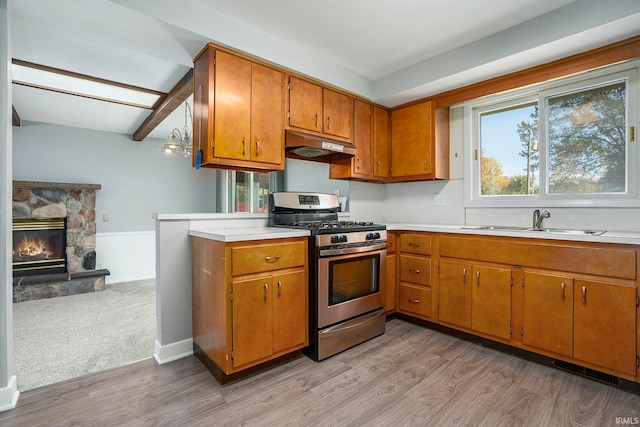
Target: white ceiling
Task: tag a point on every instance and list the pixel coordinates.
(390, 52)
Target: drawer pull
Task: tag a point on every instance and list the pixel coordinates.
(272, 258)
(266, 291)
(414, 270)
(562, 287)
(415, 301)
(414, 245)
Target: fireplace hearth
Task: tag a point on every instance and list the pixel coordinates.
(54, 241)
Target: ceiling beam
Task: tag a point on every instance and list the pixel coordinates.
(15, 117)
(165, 106)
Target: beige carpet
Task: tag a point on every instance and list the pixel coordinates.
(56, 339)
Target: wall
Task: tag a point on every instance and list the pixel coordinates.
(8, 388)
(137, 180)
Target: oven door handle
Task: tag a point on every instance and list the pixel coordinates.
(353, 250)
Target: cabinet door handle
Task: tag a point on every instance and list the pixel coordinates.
(316, 120)
(464, 275)
(244, 146)
(357, 162)
(328, 123)
(257, 148)
(584, 295)
(378, 166)
(415, 301)
(562, 287)
(414, 245)
(272, 258)
(425, 164)
(478, 277)
(414, 270)
(279, 288)
(266, 291)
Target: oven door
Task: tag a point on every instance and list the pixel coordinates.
(349, 285)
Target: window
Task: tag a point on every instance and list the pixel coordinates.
(246, 191)
(566, 142)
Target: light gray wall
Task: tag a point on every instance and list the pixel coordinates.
(137, 179)
(307, 175)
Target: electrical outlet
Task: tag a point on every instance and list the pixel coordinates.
(439, 199)
(105, 217)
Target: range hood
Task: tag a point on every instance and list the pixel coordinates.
(310, 147)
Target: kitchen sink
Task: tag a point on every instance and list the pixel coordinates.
(497, 228)
(568, 231)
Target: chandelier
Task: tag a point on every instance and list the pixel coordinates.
(180, 142)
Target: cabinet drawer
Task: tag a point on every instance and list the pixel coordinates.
(258, 259)
(415, 299)
(415, 269)
(415, 243)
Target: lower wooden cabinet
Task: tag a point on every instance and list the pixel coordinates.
(414, 299)
(415, 275)
(455, 293)
(250, 301)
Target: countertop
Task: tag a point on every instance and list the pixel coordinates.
(248, 233)
(239, 234)
(622, 237)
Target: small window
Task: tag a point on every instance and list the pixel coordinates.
(246, 191)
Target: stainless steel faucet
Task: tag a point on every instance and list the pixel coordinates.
(539, 217)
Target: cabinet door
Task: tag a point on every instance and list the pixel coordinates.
(267, 115)
(412, 140)
(362, 139)
(455, 293)
(491, 301)
(605, 325)
(390, 284)
(305, 105)
(252, 320)
(232, 107)
(290, 320)
(548, 312)
(380, 143)
(337, 112)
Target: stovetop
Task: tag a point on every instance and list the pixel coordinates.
(327, 227)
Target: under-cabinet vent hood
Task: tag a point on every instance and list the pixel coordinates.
(316, 148)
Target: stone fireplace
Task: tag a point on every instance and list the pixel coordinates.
(38, 205)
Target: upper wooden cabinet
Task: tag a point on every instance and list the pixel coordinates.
(238, 112)
(419, 143)
(319, 110)
(381, 143)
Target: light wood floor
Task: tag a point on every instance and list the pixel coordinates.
(409, 376)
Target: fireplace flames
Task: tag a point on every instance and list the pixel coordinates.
(30, 249)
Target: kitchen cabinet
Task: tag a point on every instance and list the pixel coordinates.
(381, 144)
(414, 275)
(249, 302)
(238, 112)
(572, 301)
(548, 312)
(419, 143)
(359, 166)
(390, 286)
(475, 296)
(320, 110)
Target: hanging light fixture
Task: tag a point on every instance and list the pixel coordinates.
(180, 142)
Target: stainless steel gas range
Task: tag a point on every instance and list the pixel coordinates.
(347, 261)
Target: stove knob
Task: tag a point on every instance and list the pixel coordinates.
(376, 235)
(369, 236)
(343, 238)
(335, 239)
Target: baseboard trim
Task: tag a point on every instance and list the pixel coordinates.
(9, 395)
(174, 351)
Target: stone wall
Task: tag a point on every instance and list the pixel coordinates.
(76, 202)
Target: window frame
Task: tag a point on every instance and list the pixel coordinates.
(541, 92)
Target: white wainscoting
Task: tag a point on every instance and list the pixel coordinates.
(127, 255)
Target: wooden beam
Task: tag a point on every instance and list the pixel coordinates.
(15, 117)
(166, 105)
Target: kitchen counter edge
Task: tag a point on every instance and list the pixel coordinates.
(248, 233)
